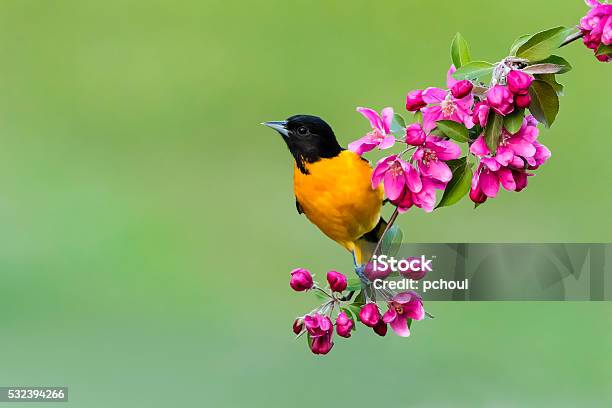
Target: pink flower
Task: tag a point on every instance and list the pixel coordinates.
(397, 176)
(515, 153)
(300, 280)
(404, 306)
(320, 331)
(462, 89)
(337, 281)
(444, 106)
(415, 135)
(379, 136)
(369, 314)
(481, 113)
(344, 325)
(500, 99)
(432, 156)
(416, 274)
(596, 27)
(518, 81)
(414, 100)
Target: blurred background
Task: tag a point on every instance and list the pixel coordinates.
(148, 225)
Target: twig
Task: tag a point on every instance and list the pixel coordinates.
(572, 38)
(389, 225)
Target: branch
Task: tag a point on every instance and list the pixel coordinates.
(389, 225)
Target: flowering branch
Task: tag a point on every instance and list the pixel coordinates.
(490, 111)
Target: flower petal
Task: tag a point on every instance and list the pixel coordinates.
(394, 185)
(506, 179)
(400, 327)
(362, 145)
(434, 95)
(387, 117)
(479, 147)
(373, 117)
(387, 142)
(390, 315)
(489, 184)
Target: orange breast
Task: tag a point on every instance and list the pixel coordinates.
(337, 197)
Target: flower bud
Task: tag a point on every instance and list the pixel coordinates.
(298, 325)
(477, 196)
(462, 89)
(518, 81)
(417, 274)
(337, 281)
(343, 325)
(481, 112)
(500, 99)
(414, 100)
(381, 272)
(369, 314)
(522, 101)
(380, 328)
(300, 280)
(415, 135)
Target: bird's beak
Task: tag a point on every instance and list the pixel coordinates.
(279, 126)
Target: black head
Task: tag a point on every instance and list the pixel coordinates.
(309, 139)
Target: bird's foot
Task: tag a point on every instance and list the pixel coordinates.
(360, 271)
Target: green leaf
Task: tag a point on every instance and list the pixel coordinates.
(493, 130)
(359, 300)
(459, 185)
(604, 49)
(552, 81)
(514, 121)
(391, 241)
(418, 117)
(460, 51)
(353, 284)
(544, 68)
(541, 45)
(398, 125)
(474, 70)
(544, 102)
(518, 42)
(557, 60)
(454, 130)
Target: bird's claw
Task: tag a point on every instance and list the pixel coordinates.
(360, 271)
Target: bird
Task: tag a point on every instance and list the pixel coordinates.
(332, 186)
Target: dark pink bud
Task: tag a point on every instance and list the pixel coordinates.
(520, 179)
(500, 99)
(337, 281)
(379, 273)
(380, 328)
(522, 100)
(322, 344)
(344, 325)
(481, 112)
(298, 325)
(300, 280)
(369, 314)
(518, 81)
(462, 89)
(477, 196)
(416, 274)
(415, 135)
(414, 100)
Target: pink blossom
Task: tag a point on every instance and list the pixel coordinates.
(397, 176)
(404, 306)
(380, 135)
(417, 274)
(518, 81)
(380, 328)
(596, 27)
(344, 325)
(300, 280)
(432, 156)
(414, 100)
(444, 106)
(337, 281)
(369, 314)
(415, 135)
(320, 331)
(500, 99)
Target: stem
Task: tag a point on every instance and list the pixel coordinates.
(389, 225)
(572, 38)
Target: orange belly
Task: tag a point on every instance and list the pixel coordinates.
(338, 198)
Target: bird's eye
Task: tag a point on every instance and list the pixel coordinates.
(302, 130)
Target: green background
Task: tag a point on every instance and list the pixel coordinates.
(147, 221)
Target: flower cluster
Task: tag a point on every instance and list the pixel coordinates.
(318, 326)
(596, 27)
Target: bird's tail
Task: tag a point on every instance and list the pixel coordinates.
(365, 245)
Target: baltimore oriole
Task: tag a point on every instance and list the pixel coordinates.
(333, 186)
